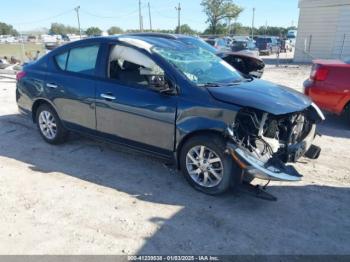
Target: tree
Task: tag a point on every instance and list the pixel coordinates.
(221, 29)
(6, 29)
(61, 29)
(217, 10)
(93, 31)
(186, 29)
(114, 30)
(272, 30)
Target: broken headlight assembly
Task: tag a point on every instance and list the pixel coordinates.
(262, 143)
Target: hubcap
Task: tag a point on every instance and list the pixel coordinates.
(47, 125)
(204, 166)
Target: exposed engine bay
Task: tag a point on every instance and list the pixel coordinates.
(267, 141)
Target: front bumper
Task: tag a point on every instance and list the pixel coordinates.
(274, 170)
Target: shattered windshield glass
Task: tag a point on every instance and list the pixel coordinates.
(199, 65)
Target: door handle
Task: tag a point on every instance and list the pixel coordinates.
(108, 96)
(51, 85)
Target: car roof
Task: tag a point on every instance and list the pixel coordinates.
(142, 41)
(161, 35)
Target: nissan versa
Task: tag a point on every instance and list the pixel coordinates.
(175, 100)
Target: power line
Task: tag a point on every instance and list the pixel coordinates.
(109, 17)
(44, 19)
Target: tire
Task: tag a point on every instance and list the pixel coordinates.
(50, 126)
(214, 148)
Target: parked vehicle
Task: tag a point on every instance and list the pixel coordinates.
(267, 45)
(245, 47)
(329, 86)
(176, 101)
(218, 43)
(244, 62)
(248, 65)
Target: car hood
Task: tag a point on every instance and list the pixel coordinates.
(262, 95)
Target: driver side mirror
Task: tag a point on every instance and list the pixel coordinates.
(160, 84)
(157, 80)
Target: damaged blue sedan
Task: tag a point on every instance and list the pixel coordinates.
(176, 101)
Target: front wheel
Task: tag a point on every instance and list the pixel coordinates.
(207, 167)
(49, 125)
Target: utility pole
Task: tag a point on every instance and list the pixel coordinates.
(77, 10)
(253, 22)
(178, 9)
(150, 16)
(140, 17)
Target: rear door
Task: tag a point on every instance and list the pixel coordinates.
(71, 86)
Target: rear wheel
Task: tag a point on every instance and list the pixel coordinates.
(206, 166)
(49, 125)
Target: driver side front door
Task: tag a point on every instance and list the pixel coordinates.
(130, 112)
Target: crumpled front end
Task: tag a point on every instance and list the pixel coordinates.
(262, 143)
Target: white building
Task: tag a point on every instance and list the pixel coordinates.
(323, 30)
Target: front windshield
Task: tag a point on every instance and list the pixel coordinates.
(199, 66)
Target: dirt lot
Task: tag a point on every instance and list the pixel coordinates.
(85, 197)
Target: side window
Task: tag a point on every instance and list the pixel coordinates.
(83, 60)
(61, 60)
(130, 66)
(80, 60)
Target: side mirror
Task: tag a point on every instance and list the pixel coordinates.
(160, 84)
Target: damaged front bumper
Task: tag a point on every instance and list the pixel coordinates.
(274, 169)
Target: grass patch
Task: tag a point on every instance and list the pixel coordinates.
(16, 50)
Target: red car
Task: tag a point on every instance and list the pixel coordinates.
(329, 86)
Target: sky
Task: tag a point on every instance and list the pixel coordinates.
(34, 14)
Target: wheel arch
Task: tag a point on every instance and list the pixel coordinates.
(212, 132)
(37, 103)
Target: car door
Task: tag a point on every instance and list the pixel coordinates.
(71, 86)
(128, 110)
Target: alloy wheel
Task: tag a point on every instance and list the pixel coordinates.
(47, 124)
(204, 166)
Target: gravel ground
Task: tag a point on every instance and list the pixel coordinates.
(86, 197)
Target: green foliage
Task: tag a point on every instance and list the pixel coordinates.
(186, 30)
(165, 31)
(239, 29)
(221, 29)
(218, 10)
(61, 29)
(6, 29)
(93, 31)
(114, 30)
(272, 30)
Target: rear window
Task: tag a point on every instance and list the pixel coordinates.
(221, 42)
(347, 60)
(263, 40)
(210, 42)
(79, 60)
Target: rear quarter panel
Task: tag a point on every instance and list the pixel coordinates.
(30, 87)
